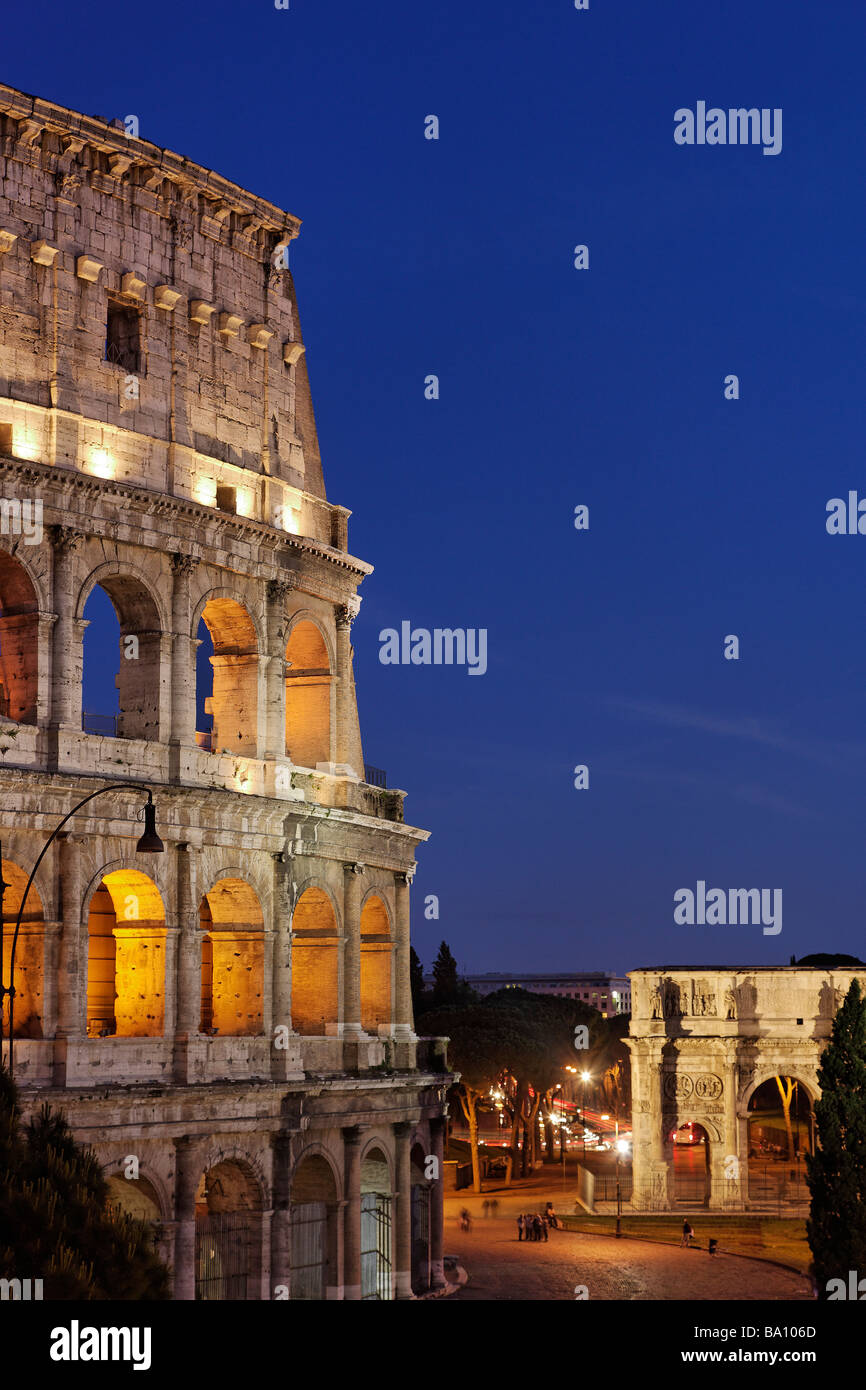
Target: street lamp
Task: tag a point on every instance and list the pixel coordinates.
(621, 1148)
(149, 843)
(584, 1076)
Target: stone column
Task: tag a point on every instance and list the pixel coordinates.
(351, 1019)
(66, 662)
(183, 659)
(187, 1173)
(352, 1214)
(281, 1234)
(346, 615)
(188, 965)
(402, 981)
(437, 1210)
(275, 670)
(46, 623)
(402, 1211)
(72, 962)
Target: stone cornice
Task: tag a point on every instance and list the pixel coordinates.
(153, 166)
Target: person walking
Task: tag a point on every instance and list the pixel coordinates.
(687, 1235)
(520, 1226)
(544, 1225)
(485, 1208)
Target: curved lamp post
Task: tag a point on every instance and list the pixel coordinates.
(149, 843)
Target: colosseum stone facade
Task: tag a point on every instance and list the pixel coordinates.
(228, 1022)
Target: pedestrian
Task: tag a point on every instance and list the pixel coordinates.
(687, 1235)
(544, 1224)
(520, 1225)
(536, 1226)
(712, 1246)
(485, 1208)
(494, 1206)
(551, 1215)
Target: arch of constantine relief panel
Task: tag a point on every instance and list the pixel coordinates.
(702, 1040)
(234, 1014)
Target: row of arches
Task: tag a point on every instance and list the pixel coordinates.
(125, 665)
(126, 959)
(229, 1226)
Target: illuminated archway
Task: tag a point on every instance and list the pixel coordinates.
(128, 700)
(376, 1280)
(314, 1219)
(780, 1121)
(229, 698)
(232, 960)
(228, 1234)
(19, 642)
(315, 944)
(308, 696)
(126, 957)
(691, 1164)
(29, 953)
(376, 949)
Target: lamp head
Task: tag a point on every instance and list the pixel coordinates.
(150, 843)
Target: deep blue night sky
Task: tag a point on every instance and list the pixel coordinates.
(559, 387)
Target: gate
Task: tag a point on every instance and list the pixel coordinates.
(375, 1246)
(225, 1262)
(421, 1267)
(309, 1235)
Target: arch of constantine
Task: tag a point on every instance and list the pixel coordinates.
(702, 1040)
(227, 1023)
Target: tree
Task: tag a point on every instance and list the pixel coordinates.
(416, 981)
(445, 981)
(786, 1091)
(836, 1172)
(56, 1222)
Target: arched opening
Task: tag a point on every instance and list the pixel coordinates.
(421, 1203)
(313, 1225)
(781, 1133)
(308, 697)
(122, 652)
(232, 960)
(376, 1282)
(375, 965)
(29, 953)
(691, 1164)
(315, 945)
(126, 958)
(19, 642)
(227, 679)
(228, 1235)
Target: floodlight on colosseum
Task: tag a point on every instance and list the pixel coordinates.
(101, 463)
(244, 502)
(25, 446)
(205, 492)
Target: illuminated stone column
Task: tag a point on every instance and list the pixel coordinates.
(352, 950)
(187, 1173)
(188, 986)
(352, 1214)
(183, 656)
(72, 964)
(437, 1210)
(275, 673)
(346, 615)
(402, 1212)
(402, 979)
(67, 656)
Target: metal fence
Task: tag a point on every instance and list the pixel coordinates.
(374, 776)
(605, 1186)
(375, 1246)
(225, 1256)
(105, 724)
(309, 1228)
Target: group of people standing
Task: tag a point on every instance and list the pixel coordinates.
(535, 1225)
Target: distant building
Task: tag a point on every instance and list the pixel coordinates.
(610, 994)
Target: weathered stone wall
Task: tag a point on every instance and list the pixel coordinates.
(157, 440)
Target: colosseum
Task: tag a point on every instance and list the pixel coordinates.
(220, 1005)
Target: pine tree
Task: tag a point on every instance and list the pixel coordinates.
(56, 1223)
(446, 986)
(416, 980)
(836, 1172)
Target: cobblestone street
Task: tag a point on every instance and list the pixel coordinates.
(501, 1268)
